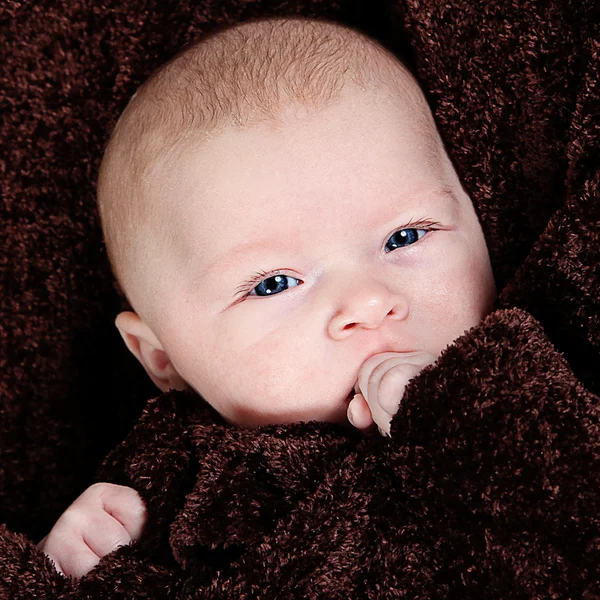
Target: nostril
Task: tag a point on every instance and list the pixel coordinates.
(349, 326)
(398, 312)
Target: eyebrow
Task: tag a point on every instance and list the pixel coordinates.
(270, 244)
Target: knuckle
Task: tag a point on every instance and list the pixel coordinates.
(395, 377)
(371, 366)
(391, 389)
(123, 494)
(92, 495)
(71, 519)
(119, 541)
(379, 371)
(103, 490)
(134, 498)
(140, 512)
(96, 489)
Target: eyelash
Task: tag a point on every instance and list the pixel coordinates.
(245, 288)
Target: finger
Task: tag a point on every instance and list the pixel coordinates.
(80, 562)
(103, 534)
(374, 367)
(392, 385)
(128, 508)
(367, 368)
(386, 383)
(359, 414)
(93, 527)
(369, 377)
(70, 554)
(374, 363)
(395, 383)
(123, 503)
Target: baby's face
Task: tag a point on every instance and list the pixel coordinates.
(307, 246)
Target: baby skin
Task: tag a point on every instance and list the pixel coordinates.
(322, 260)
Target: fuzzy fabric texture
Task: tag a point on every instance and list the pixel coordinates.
(488, 487)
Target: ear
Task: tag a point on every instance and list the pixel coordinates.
(145, 346)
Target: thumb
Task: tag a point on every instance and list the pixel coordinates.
(359, 413)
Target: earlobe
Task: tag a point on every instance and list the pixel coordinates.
(146, 347)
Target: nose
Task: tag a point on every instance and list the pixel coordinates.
(366, 305)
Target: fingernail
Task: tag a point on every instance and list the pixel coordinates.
(350, 415)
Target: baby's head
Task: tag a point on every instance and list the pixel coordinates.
(278, 207)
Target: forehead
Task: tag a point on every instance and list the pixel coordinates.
(356, 155)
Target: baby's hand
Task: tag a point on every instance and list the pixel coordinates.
(380, 387)
(103, 518)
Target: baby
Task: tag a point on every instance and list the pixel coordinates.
(280, 211)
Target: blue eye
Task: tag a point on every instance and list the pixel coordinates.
(274, 285)
(404, 237)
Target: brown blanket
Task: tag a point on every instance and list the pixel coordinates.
(488, 487)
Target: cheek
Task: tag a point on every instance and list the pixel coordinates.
(481, 287)
(277, 357)
(254, 366)
(248, 360)
(289, 374)
(455, 293)
(275, 321)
